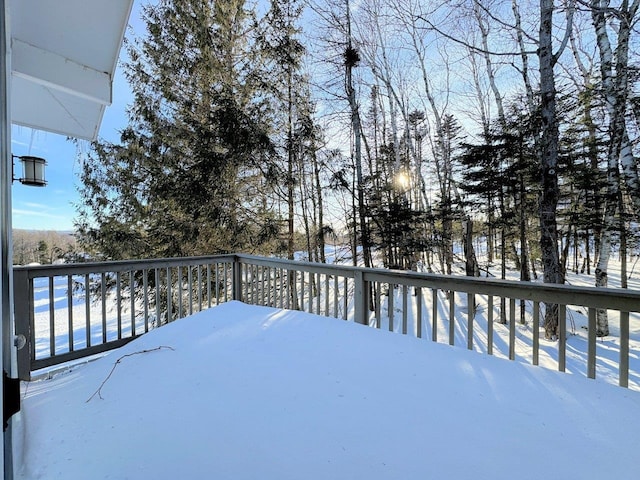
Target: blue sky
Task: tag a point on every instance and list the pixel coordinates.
(52, 207)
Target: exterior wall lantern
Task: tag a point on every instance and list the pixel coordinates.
(32, 171)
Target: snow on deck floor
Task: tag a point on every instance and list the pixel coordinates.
(258, 393)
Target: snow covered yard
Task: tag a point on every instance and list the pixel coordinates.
(246, 392)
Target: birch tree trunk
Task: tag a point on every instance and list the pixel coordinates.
(524, 56)
(628, 162)
(484, 35)
(615, 88)
(590, 144)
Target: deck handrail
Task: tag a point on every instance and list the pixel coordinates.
(170, 288)
(566, 294)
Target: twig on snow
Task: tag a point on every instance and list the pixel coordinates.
(98, 391)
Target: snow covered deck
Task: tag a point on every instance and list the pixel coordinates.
(246, 392)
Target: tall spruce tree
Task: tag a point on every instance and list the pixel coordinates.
(180, 182)
(283, 53)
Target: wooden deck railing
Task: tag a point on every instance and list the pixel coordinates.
(67, 312)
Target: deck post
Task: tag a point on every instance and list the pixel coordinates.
(360, 298)
(23, 308)
(236, 279)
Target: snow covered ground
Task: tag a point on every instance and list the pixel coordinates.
(246, 392)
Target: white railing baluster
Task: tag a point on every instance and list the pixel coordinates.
(87, 309)
(335, 295)
(302, 291)
(217, 280)
(377, 301)
(490, 325)
(157, 275)
(345, 314)
(470, 316)
(209, 284)
(319, 293)
(390, 306)
(326, 295)
(70, 311)
(452, 317)
(103, 295)
(405, 307)
(119, 304)
(536, 333)
(145, 296)
(179, 292)
(132, 302)
(623, 374)
(434, 314)
(170, 295)
(562, 340)
(190, 284)
(199, 267)
(419, 312)
(512, 329)
(591, 344)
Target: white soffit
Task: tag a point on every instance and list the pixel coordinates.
(63, 57)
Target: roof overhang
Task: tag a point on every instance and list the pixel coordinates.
(63, 58)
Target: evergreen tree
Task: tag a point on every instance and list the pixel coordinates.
(498, 176)
(283, 52)
(446, 209)
(182, 179)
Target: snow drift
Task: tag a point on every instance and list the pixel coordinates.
(246, 392)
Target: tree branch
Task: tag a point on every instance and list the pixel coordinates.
(567, 33)
(473, 47)
(98, 391)
(498, 20)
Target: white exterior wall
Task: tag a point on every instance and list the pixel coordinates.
(6, 303)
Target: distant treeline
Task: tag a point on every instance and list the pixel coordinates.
(40, 246)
